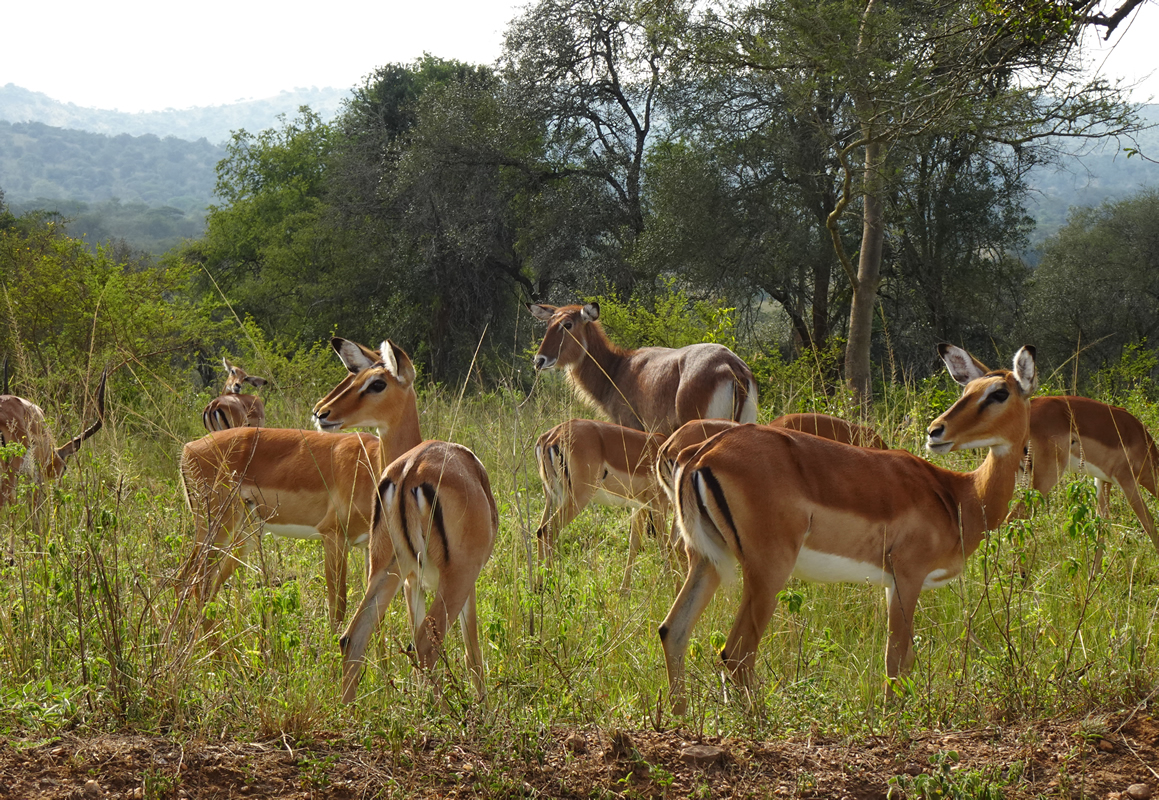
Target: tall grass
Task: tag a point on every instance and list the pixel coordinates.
(92, 635)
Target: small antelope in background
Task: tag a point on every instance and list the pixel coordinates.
(654, 388)
(22, 422)
(234, 409)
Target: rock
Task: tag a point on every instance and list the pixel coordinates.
(93, 789)
(1106, 746)
(621, 745)
(1139, 791)
(576, 744)
(702, 755)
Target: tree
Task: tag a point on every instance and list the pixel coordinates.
(904, 71)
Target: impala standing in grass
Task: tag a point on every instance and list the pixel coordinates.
(781, 503)
(234, 409)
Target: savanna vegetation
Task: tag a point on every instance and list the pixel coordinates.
(708, 178)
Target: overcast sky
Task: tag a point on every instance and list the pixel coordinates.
(133, 55)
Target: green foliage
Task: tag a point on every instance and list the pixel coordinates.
(668, 319)
(947, 782)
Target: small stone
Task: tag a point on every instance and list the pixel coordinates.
(701, 755)
(93, 789)
(576, 744)
(1139, 791)
(1106, 746)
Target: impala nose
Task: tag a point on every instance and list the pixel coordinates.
(936, 431)
(540, 362)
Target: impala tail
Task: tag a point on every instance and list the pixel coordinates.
(705, 520)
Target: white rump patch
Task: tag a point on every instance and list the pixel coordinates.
(720, 406)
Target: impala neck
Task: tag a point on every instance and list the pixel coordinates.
(993, 487)
(400, 434)
(597, 373)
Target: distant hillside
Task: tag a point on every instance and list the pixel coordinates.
(213, 123)
(39, 161)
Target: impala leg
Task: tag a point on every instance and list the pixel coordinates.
(676, 629)
(757, 604)
(1139, 506)
(638, 519)
(335, 558)
(380, 590)
(469, 624)
(899, 649)
(455, 587)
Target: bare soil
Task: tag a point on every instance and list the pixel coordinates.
(1055, 758)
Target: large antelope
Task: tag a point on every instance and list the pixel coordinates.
(1077, 434)
(782, 503)
(22, 423)
(654, 388)
(435, 519)
(583, 461)
(234, 409)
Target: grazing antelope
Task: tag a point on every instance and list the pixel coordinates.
(435, 519)
(22, 422)
(585, 460)
(653, 388)
(1077, 434)
(294, 483)
(783, 503)
(234, 409)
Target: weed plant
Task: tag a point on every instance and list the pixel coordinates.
(92, 636)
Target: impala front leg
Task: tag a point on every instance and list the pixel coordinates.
(677, 626)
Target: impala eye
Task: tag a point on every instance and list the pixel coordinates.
(567, 326)
(378, 386)
(999, 395)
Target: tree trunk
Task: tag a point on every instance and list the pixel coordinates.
(857, 368)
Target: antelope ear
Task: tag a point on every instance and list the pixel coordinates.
(1026, 369)
(354, 356)
(398, 363)
(254, 380)
(590, 312)
(541, 312)
(962, 366)
(228, 366)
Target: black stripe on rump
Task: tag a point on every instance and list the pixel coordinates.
(718, 497)
(437, 513)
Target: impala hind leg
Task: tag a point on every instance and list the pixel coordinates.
(380, 590)
(456, 588)
(469, 624)
(676, 629)
(758, 601)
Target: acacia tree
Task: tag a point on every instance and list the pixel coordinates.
(906, 70)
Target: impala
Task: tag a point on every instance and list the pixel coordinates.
(698, 431)
(22, 423)
(1076, 434)
(234, 409)
(435, 519)
(782, 503)
(585, 460)
(653, 388)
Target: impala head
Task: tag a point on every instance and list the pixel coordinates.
(566, 341)
(994, 409)
(376, 393)
(236, 377)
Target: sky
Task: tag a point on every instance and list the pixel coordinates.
(132, 55)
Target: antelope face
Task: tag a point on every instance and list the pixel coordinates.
(565, 342)
(374, 393)
(993, 411)
(236, 377)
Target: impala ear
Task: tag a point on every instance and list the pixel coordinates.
(590, 312)
(962, 366)
(354, 356)
(255, 381)
(225, 362)
(1026, 369)
(398, 363)
(541, 312)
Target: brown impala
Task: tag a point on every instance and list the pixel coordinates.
(1076, 434)
(435, 519)
(583, 461)
(22, 423)
(653, 388)
(782, 503)
(234, 409)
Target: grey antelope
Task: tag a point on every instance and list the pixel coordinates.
(234, 409)
(654, 388)
(782, 503)
(22, 423)
(1077, 434)
(435, 519)
(583, 461)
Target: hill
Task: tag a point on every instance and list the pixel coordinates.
(213, 123)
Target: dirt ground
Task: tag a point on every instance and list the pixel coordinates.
(1102, 759)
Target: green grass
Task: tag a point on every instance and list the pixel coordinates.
(91, 637)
